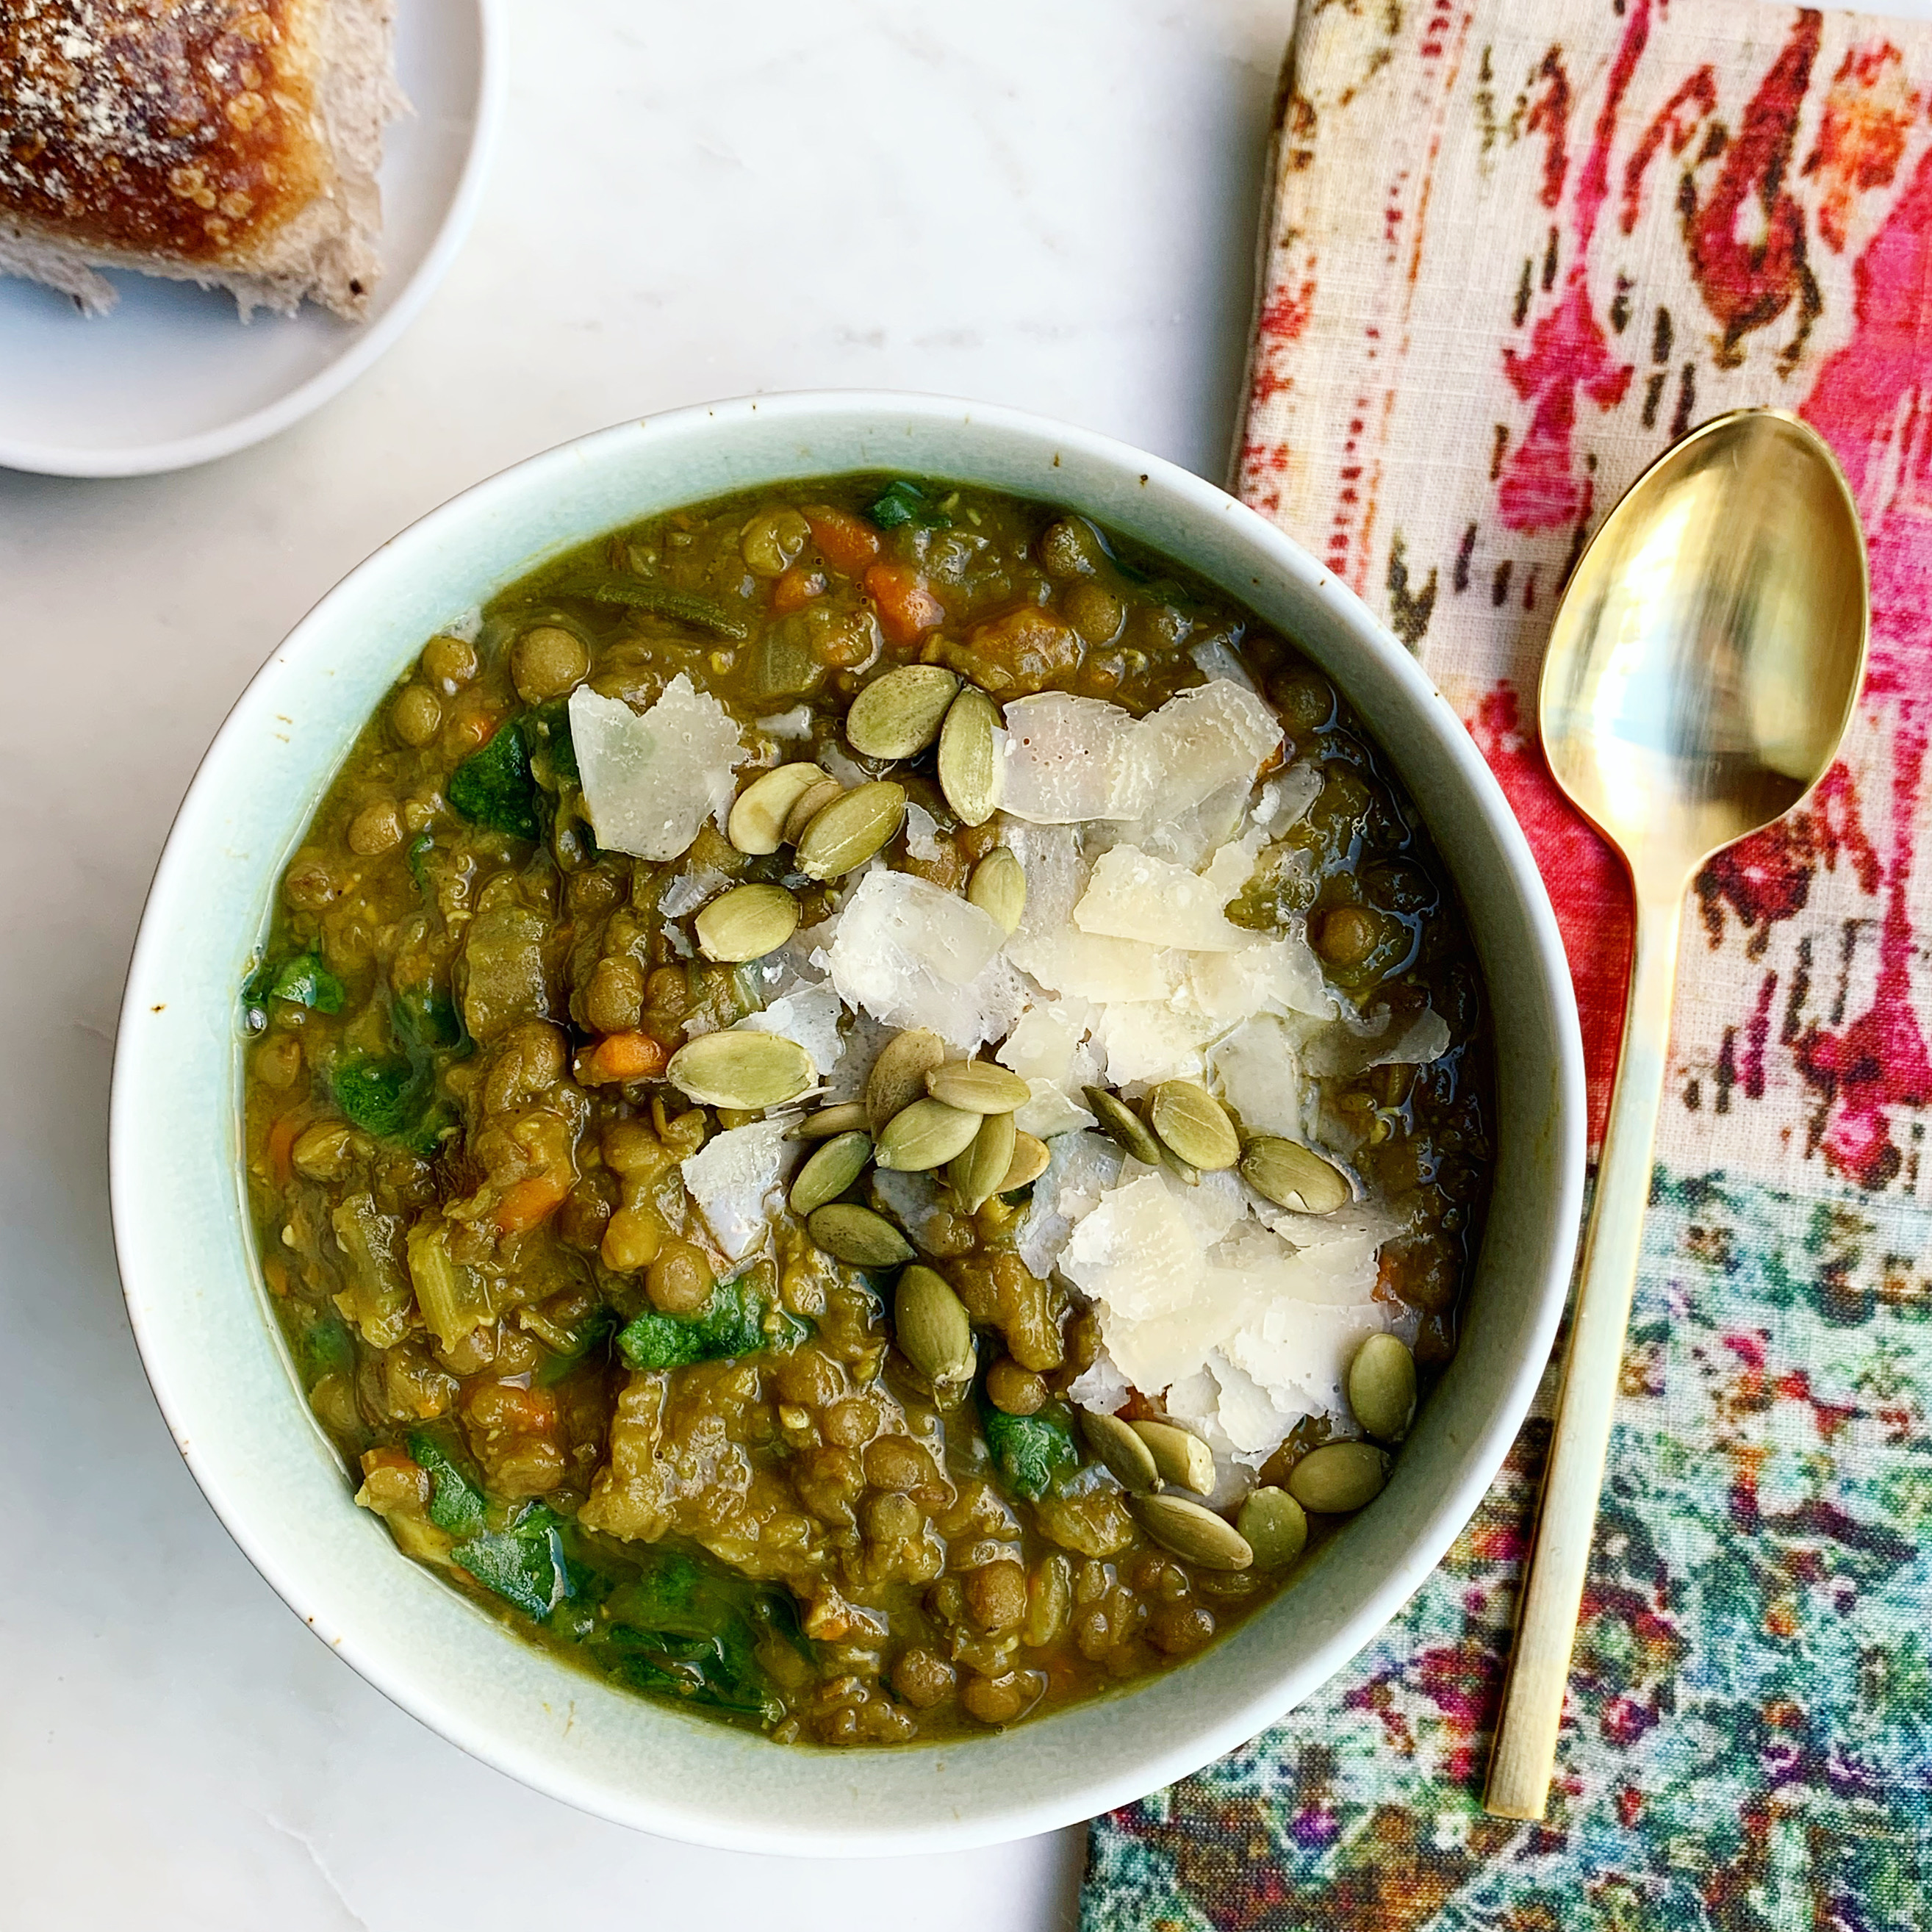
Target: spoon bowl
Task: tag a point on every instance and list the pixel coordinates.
(1701, 671)
(1707, 654)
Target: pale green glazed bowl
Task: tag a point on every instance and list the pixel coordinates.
(199, 1307)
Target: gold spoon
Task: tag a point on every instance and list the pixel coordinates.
(1701, 671)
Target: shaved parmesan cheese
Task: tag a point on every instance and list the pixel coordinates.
(1082, 1166)
(1285, 800)
(1042, 1046)
(736, 1177)
(1283, 972)
(1089, 966)
(689, 890)
(1217, 657)
(809, 1015)
(1050, 1111)
(921, 832)
(1147, 1040)
(1067, 759)
(1257, 1070)
(651, 780)
(1340, 1053)
(1049, 855)
(1198, 742)
(1132, 895)
(1135, 1251)
(796, 723)
(914, 1199)
(913, 955)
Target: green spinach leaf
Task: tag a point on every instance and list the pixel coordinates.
(494, 787)
(1028, 1451)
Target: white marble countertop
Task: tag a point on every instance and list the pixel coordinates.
(1051, 207)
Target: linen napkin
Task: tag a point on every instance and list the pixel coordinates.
(1514, 248)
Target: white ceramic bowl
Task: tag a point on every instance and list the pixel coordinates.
(212, 1351)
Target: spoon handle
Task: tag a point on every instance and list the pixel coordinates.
(1524, 1754)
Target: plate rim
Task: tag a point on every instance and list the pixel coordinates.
(150, 459)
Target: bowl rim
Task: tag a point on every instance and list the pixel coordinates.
(489, 29)
(1089, 1788)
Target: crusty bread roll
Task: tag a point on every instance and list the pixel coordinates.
(230, 143)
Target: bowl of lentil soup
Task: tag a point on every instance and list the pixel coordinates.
(811, 1217)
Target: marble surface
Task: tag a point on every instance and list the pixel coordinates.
(1052, 207)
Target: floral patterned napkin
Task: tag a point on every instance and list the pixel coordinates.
(1515, 248)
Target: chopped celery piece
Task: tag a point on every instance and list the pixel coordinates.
(454, 1299)
(377, 1297)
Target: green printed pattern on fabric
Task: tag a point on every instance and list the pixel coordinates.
(1749, 1737)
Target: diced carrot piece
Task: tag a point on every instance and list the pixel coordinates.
(795, 589)
(281, 1144)
(847, 543)
(529, 1201)
(907, 609)
(621, 1056)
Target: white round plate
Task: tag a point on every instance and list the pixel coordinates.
(172, 376)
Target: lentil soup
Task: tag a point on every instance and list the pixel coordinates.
(866, 1110)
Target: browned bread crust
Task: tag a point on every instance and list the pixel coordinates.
(233, 141)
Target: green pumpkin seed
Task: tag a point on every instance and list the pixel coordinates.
(1381, 1387)
(975, 1175)
(969, 773)
(1180, 1168)
(747, 923)
(850, 829)
(1338, 1477)
(899, 715)
(749, 1071)
(811, 801)
(978, 1087)
(1194, 1124)
(857, 1237)
(1291, 1176)
(1276, 1526)
(831, 1170)
(1180, 1455)
(898, 1077)
(821, 1126)
(997, 886)
(930, 1325)
(1116, 1444)
(1122, 1124)
(1191, 1532)
(925, 1135)
(1031, 1157)
(757, 821)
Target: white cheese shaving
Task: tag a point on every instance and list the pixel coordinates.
(736, 1177)
(651, 779)
(796, 723)
(1340, 1053)
(922, 831)
(913, 955)
(1068, 760)
(1132, 895)
(1256, 1069)
(689, 890)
